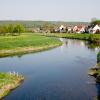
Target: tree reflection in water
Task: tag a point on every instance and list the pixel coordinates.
(98, 90)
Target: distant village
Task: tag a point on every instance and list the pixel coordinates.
(90, 29)
(50, 27)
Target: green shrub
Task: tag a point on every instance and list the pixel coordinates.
(98, 57)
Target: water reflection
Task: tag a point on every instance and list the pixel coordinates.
(98, 91)
(93, 46)
(80, 43)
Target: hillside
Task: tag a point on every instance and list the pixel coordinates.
(30, 24)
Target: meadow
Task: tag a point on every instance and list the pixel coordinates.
(26, 42)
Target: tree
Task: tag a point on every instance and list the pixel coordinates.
(95, 22)
(4, 29)
(1, 30)
(10, 29)
(19, 29)
(48, 27)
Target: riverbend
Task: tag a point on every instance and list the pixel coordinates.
(56, 74)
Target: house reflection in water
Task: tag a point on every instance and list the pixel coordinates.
(65, 44)
(69, 43)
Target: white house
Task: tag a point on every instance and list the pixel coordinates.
(75, 29)
(97, 27)
(62, 28)
(82, 30)
(69, 30)
(79, 29)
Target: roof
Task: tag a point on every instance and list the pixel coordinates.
(96, 27)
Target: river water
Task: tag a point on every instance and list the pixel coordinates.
(55, 74)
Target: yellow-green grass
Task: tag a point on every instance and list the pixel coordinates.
(26, 43)
(8, 82)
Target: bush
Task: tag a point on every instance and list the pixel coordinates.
(98, 57)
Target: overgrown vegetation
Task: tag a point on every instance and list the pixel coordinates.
(89, 37)
(9, 81)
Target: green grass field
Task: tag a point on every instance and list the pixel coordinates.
(27, 42)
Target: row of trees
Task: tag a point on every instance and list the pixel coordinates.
(47, 27)
(12, 29)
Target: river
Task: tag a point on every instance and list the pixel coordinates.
(55, 74)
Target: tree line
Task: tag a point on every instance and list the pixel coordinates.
(12, 29)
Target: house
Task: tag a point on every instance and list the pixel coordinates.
(90, 30)
(69, 29)
(82, 30)
(75, 29)
(79, 29)
(96, 29)
(62, 29)
(56, 30)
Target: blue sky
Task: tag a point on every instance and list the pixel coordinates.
(53, 10)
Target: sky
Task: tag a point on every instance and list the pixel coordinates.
(50, 10)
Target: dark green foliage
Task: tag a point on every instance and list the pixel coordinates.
(98, 57)
(96, 22)
(19, 29)
(10, 28)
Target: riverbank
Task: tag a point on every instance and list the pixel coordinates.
(95, 71)
(8, 82)
(26, 43)
(95, 38)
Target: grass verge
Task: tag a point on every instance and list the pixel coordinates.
(8, 82)
(89, 37)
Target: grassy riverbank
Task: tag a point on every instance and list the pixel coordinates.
(8, 82)
(95, 71)
(26, 43)
(89, 37)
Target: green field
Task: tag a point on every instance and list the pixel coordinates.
(27, 42)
